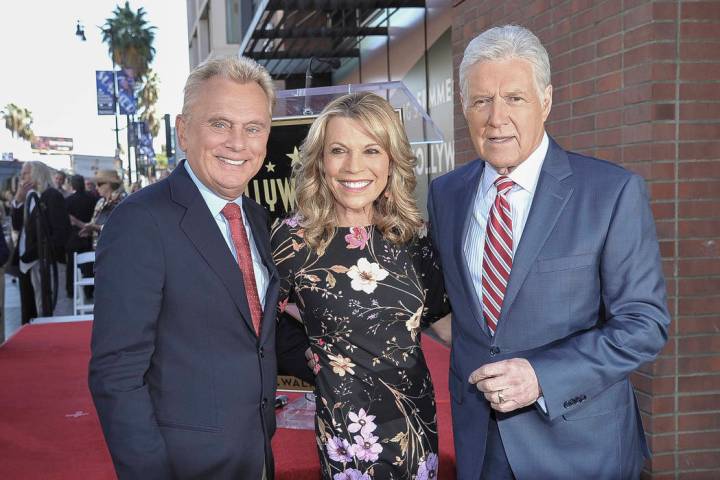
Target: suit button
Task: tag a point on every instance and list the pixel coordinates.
(494, 351)
(261, 351)
(263, 404)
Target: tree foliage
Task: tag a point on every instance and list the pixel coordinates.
(147, 99)
(130, 39)
(19, 121)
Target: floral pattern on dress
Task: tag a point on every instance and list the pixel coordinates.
(364, 301)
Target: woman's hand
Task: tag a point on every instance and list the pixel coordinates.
(87, 229)
(313, 361)
(75, 222)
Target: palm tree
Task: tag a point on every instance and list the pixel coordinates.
(147, 99)
(19, 121)
(130, 39)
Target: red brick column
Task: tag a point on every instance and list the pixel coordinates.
(638, 83)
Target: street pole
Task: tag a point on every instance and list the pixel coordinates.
(117, 102)
(130, 137)
(115, 99)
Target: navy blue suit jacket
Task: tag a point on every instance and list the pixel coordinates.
(585, 304)
(182, 385)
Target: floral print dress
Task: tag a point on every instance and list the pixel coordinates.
(363, 302)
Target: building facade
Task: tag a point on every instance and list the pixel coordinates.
(636, 82)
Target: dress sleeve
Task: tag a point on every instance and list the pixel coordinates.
(284, 252)
(437, 304)
(291, 340)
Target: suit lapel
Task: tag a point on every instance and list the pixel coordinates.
(201, 229)
(463, 217)
(551, 196)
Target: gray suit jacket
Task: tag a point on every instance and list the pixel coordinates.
(585, 304)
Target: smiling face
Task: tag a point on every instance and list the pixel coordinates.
(505, 115)
(225, 134)
(356, 170)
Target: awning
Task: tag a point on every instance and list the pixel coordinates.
(285, 34)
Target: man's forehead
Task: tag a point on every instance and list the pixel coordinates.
(512, 73)
(231, 102)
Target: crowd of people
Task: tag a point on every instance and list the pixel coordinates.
(539, 266)
(52, 217)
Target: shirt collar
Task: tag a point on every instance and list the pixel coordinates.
(214, 202)
(526, 174)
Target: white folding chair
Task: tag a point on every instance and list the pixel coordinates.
(80, 301)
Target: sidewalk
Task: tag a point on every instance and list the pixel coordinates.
(12, 302)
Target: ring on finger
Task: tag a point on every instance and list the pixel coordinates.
(500, 397)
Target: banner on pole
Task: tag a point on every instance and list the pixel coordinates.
(104, 84)
(144, 143)
(126, 93)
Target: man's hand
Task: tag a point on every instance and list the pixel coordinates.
(508, 384)
(22, 191)
(313, 361)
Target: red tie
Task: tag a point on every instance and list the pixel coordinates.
(497, 255)
(233, 213)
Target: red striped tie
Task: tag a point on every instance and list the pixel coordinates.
(497, 255)
(233, 213)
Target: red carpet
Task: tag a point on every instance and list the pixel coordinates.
(48, 426)
(49, 429)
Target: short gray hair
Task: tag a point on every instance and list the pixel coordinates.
(500, 43)
(238, 69)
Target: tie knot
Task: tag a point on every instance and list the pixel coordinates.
(503, 184)
(232, 211)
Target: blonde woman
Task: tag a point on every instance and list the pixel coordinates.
(356, 260)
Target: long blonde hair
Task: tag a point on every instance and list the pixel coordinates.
(395, 212)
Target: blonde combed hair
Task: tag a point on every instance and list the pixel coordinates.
(395, 212)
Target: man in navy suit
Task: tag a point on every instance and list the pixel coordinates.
(553, 270)
(183, 368)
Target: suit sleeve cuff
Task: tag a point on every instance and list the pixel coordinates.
(541, 404)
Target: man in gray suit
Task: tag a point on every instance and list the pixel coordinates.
(553, 270)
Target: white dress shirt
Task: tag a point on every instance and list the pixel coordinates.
(520, 198)
(25, 267)
(216, 203)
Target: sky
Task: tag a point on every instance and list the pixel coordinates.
(45, 68)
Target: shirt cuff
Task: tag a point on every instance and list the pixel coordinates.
(541, 404)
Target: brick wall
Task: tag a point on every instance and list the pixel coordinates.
(638, 83)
